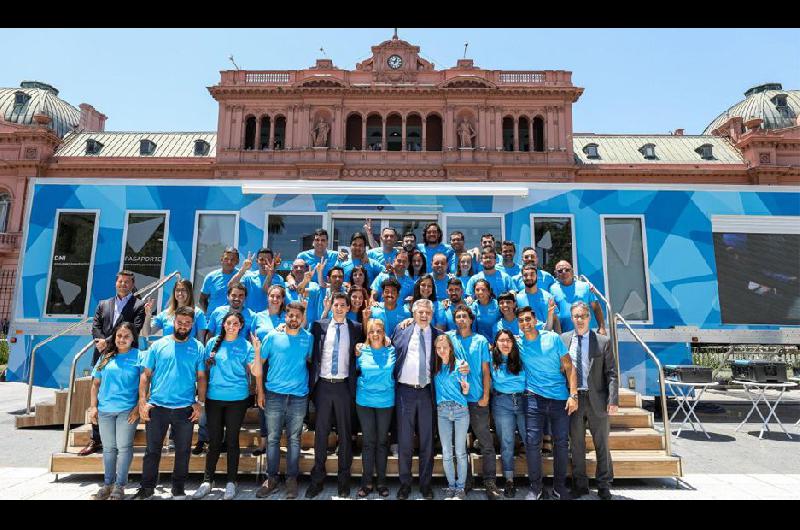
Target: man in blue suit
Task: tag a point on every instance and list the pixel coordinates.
(414, 398)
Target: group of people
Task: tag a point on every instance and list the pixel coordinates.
(396, 342)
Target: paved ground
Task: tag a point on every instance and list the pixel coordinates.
(731, 465)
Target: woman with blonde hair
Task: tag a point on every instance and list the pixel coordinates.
(374, 404)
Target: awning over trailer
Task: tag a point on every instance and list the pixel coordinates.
(338, 187)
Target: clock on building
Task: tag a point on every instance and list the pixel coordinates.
(395, 62)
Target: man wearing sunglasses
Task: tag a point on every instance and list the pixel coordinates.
(567, 290)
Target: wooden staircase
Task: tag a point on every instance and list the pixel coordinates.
(637, 450)
(51, 412)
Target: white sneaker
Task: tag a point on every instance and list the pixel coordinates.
(230, 491)
(202, 491)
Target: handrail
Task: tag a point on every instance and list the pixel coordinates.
(667, 432)
(144, 293)
(51, 338)
(612, 327)
(70, 390)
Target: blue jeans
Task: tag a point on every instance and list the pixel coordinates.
(454, 417)
(508, 411)
(538, 410)
(117, 435)
(288, 410)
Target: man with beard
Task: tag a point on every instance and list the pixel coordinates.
(172, 367)
(288, 354)
(508, 250)
(432, 235)
(499, 280)
(542, 302)
(543, 278)
(237, 293)
(399, 272)
(358, 250)
(215, 284)
(257, 282)
(568, 290)
(386, 252)
(457, 244)
(445, 309)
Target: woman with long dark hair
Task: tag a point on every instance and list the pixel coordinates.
(358, 299)
(508, 403)
(275, 313)
(114, 407)
(182, 295)
(486, 309)
(360, 277)
(230, 360)
(465, 269)
(452, 414)
(417, 264)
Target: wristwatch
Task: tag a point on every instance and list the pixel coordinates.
(574, 396)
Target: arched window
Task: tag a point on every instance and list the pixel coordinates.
(433, 132)
(394, 133)
(538, 134)
(414, 133)
(508, 133)
(374, 132)
(524, 134)
(279, 142)
(250, 133)
(353, 132)
(263, 140)
(5, 210)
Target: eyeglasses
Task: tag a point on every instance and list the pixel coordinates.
(560, 271)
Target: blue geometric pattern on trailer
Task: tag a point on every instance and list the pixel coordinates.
(680, 251)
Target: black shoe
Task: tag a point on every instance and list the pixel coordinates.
(313, 490)
(403, 492)
(510, 490)
(604, 493)
(199, 448)
(580, 492)
(427, 493)
(91, 448)
(492, 493)
(344, 490)
(143, 494)
(562, 496)
(178, 494)
(468, 484)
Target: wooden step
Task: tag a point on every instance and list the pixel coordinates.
(51, 412)
(627, 464)
(631, 417)
(629, 398)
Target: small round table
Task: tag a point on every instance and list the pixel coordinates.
(757, 393)
(687, 401)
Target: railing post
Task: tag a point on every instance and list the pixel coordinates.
(70, 391)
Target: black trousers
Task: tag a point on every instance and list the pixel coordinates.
(162, 418)
(599, 428)
(332, 400)
(479, 421)
(415, 411)
(221, 417)
(375, 451)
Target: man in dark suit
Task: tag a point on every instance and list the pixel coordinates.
(332, 385)
(124, 307)
(414, 396)
(598, 396)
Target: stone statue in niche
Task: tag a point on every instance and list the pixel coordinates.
(465, 134)
(319, 134)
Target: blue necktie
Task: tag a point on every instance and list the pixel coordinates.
(579, 357)
(335, 360)
(423, 357)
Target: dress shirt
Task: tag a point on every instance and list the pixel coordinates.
(584, 360)
(409, 375)
(119, 304)
(327, 352)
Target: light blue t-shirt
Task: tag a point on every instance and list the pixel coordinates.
(430, 252)
(215, 285)
(373, 268)
(175, 366)
(448, 386)
(215, 321)
(541, 359)
(544, 280)
(505, 382)
(119, 381)
(511, 271)
(440, 287)
(314, 303)
(537, 301)
(166, 322)
(378, 255)
(264, 323)
(566, 296)
(256, 300)
(464, 281)
(443, 317)
(331, 260)
(229, 377)
(406, 285)
(486, 316)
(287, 355)
(475, 351)
(375, 384)
(391, 317)
(500, 282)
(512, 326)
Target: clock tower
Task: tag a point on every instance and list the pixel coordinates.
(395, 61)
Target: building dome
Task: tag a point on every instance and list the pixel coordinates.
(20, 105)
(777, 107)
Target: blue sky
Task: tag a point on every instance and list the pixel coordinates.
(635, 80)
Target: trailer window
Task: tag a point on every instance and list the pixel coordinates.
(71, 263)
